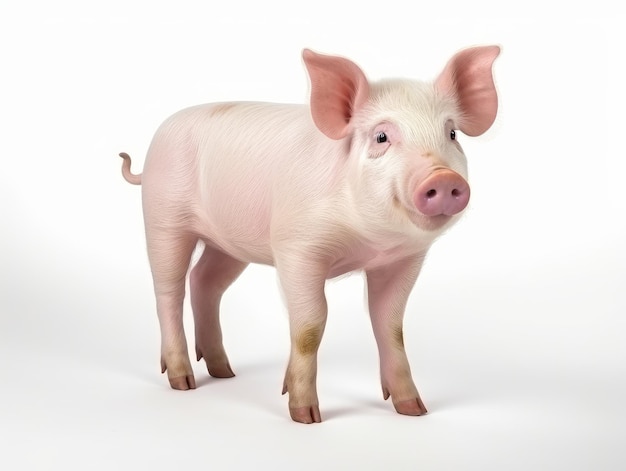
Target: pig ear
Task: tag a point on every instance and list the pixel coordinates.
(467, 78)
(338, 89)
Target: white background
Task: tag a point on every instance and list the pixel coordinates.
(515, 330)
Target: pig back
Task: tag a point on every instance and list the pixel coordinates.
(252, 165)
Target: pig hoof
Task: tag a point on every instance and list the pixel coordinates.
(305, 415)
(183, 383)
(221, 371)
(218, 366)
(411, 407)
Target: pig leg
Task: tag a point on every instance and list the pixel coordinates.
(170, 255)
(214, 272)
(388, 289)
(303, 286)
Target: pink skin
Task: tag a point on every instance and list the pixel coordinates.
(366, 178)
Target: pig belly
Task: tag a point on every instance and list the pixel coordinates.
(236, 225)
(246, 247)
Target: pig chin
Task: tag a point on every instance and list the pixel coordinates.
(432, 223)
(435, 223)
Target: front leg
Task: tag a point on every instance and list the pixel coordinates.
(388, 289)
(302, 279)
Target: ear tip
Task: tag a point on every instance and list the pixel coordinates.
(493, 50)
(485, 53)
(308, 53)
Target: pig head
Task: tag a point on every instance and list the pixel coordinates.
(365, 178)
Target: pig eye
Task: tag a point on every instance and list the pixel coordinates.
(453, 134)
(382, 137)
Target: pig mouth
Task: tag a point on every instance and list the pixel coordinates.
(432, 223)
(435, 223)
(422, 221)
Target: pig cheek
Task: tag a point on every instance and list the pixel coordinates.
(415, 171)
(392, 181)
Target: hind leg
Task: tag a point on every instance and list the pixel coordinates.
(214, 272)
(170, 255)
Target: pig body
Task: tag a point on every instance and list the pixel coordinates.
(365, 178)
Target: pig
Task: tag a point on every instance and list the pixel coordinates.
(363, 178)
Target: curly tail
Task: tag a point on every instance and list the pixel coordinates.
(126, 173)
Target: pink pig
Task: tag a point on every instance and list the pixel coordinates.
(365, 178)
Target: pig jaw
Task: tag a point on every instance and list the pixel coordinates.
(391, 215)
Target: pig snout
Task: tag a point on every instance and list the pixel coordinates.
(443, 192)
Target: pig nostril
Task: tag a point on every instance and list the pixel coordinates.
(431, 193)
(456, 193)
